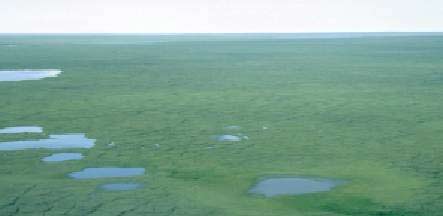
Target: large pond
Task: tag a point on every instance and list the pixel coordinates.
(271, 187)
(94, 173)
(27, 74)
(54, 142)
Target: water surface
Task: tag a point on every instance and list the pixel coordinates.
(94, 173)
(63, 157)
(293, 186)
(27, 74)
(54, 142)
(21, 129)
(228, 138)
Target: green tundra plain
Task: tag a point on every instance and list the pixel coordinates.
(367, 110)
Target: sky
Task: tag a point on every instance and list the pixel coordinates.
(219, 16)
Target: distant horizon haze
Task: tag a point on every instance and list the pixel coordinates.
(221, 16)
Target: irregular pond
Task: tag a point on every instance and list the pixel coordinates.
(27, 74)
(120, 187)
(94, 173)
(293, 186)
(24, 129)
(63, 157)
(228, 138)
(54, 142)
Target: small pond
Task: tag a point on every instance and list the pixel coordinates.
(232, 127)
(271, 187)
(228, 138)
(94, 173)
(22, 129)
(59, 157)
(27, 74)
(54, 142)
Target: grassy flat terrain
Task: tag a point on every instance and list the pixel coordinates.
(366, 110)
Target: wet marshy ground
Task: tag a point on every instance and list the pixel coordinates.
(207, 119)
(120, 186)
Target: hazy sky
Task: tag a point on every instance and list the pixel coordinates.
(151, 16)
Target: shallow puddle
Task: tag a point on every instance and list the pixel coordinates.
(94, 173)
(232, 127)
(293, 186)
(120, 187)
(27, 74)
(59, 157)
(228, 138)
(24, 129)
(54, 142)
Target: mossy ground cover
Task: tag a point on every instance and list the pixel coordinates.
(365, 110)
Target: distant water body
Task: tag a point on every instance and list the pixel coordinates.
(27, 74)
(159, 38)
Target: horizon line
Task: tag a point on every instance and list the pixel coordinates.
(177, 33)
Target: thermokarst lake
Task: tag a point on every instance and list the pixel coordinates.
(109, 172)
(63, 141)
(27, 74)
(278, 186)
(21, 129)
(228, 138)
(59, 157)
(221, 124)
